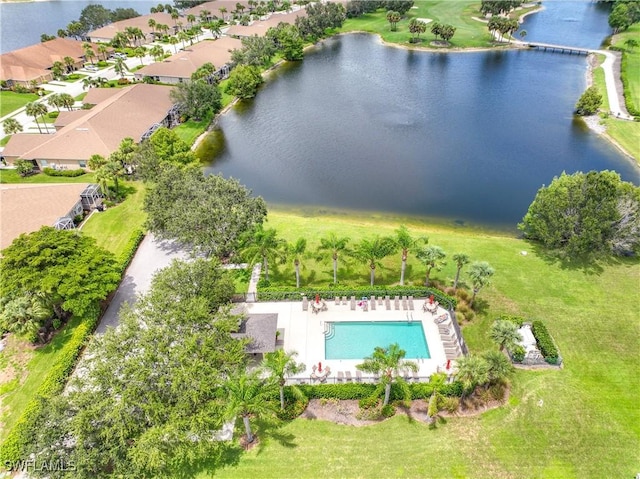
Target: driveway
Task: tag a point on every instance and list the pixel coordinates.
(152, 255)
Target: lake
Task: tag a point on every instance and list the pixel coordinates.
(22, 23)
(464, 137)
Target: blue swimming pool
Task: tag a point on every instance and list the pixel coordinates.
(357, 339)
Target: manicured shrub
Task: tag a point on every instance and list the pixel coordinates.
(517, 355)
(24, 167)
(64, 173)
(285, 293)
(545, 344)
(388, 410)
(369, 402)
(53, 114)
(292, 409)
(338, 391)
(449, 404)
(518, 320)
(130, 249)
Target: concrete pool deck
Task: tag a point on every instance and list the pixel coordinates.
(304, 333)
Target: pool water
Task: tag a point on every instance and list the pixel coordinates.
(358, 339)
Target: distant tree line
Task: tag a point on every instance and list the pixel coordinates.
(91, 18)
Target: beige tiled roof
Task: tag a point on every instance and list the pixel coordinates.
(34, 61)
(21, 142)
(98, 95)
(27, 208)
(214, 7)
(141, 22)
(129, 113)
(260, 27)
(183, 64)
(66, 117)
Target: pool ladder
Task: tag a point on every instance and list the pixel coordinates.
(329, 330)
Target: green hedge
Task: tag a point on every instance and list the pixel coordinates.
(366, 390)
(517, 320)
(13, 448)
(65, 173)
(545, 342)
(130, 249)
(628, 101)
(284, 293)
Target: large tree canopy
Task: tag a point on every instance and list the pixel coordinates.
(586, 213)
(208, 212)
(148, 396)
(65, 268)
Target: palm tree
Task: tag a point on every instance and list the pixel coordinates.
(183, 37)
(55, 101)
(11, 126)
(461, 259)
(479, 272)
(373, 251)
(499, 366)
(174, 41)
(336, 245)
(388, 362)
(140, 52)
(505, 334)
(190, 19)
(152, 25)
(393, 18)
(472, 371)
(120, 66)
(204, 15)
(57, 69)
(69, 63)
(214, 27)
(248, 396)
(103, 176)
(174, 17)
(113, 170)
(405, 242)
(157, 52)
(66, 100)
(433, 258)
(102, 50)
(296, 250)
(264, 246)
(36, 110)
(96, 161)
(282, 364)
(222, 10)
(89, 54)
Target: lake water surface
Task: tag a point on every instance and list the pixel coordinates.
(467, 137)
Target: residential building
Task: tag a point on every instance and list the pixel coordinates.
(134, 112)
(179, 67)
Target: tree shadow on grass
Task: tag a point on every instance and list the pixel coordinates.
(227, 455)
(589, 265)
(269, 429)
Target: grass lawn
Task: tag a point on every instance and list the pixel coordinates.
(191, 129)
(625, 133)
(112, 228)
(11, 101)
(588, 422)
(11, 176)
(24, 368)
(469, 33)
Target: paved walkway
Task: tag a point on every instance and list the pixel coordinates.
(152, 256)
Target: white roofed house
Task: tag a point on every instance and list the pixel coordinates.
(133, 111)
(179, 67)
